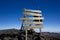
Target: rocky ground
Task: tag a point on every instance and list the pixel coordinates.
(14, 34)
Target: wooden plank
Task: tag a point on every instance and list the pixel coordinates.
(28, 10)
(32, 14)
(33, 23)
(29, 27)
(35, 18)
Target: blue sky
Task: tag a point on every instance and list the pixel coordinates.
(11, 10)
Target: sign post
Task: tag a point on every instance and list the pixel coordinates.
(32, 19)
